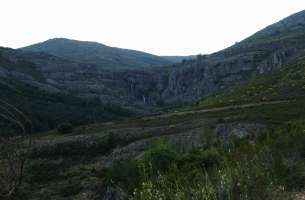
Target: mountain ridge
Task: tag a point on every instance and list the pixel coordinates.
(96, 53)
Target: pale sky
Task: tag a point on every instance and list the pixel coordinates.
(161, 27)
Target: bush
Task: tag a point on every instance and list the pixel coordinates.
(160, 158)
(65, 128)
(204, 159)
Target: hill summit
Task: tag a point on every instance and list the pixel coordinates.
(95, 53)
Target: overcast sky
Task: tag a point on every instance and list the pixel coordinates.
(162, 27)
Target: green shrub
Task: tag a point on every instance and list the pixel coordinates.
(201, 158)
(160, 157)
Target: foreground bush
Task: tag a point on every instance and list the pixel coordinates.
(159, 158)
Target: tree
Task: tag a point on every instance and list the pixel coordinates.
(14, 150)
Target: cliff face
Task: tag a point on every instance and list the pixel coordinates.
(198, 78)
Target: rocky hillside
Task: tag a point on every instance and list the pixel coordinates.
(190, 80)
(261, 53)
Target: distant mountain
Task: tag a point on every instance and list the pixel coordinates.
(97, 54)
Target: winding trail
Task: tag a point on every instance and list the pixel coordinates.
(217, 109)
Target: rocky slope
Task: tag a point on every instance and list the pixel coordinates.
(261, 53)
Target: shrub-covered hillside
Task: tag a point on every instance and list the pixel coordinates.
(47, 110)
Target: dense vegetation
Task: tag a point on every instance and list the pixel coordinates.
(268, 166)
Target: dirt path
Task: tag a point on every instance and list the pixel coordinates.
(224, 108)
(300, 196)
